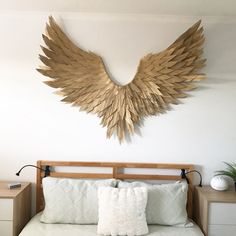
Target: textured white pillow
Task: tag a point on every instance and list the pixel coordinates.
(166, 202)
(71, 201)
(122, 211)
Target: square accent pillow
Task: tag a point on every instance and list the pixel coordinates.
(122, 211)
(166, 202)
(72, 201)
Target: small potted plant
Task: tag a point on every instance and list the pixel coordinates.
(230, 171)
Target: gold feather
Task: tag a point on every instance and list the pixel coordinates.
(161, 79)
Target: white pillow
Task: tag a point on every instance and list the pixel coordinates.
(122, 211)
(71, 201)
(166, 202)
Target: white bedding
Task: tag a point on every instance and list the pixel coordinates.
(36, 228)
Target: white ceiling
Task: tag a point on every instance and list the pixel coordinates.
(162, 7)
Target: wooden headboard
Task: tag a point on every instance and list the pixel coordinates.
(116, 172)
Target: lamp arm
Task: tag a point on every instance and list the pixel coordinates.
(183, 175)
(46, 170)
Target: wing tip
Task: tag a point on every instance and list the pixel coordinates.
(42, 71)
(197, 24)
(199, 21)
(51, 23)
(45, 37)
(51, 19)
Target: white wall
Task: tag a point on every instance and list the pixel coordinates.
(35, 125)
(164, 7)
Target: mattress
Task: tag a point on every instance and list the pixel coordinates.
(36, 228)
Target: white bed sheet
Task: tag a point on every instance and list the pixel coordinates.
(36, 228)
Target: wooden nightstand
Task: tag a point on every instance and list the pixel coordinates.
(215, 211)
(15, 208)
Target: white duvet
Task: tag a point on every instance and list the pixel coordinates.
(36, 228)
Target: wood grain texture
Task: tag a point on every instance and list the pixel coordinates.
(202, 199)
(11, 193)
(161, 79)
(116, 171)
(21, 206)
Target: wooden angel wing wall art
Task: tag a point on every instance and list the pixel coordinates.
(161, 79)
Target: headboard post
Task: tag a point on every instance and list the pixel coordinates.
(114, 172)
(38, 187)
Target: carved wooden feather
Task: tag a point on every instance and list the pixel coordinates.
(161, 78)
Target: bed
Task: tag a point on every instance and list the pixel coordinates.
(122, 171)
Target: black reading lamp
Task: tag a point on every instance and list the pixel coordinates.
(46, 170)
(184, 173)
